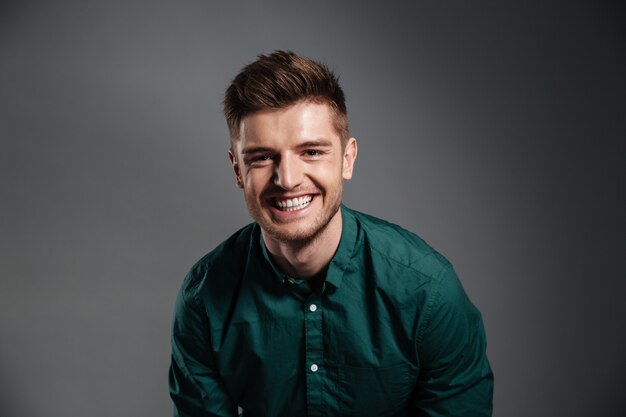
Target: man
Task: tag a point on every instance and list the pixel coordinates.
(316, 309)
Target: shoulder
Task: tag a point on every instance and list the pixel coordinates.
(226, 260)
(400, 248)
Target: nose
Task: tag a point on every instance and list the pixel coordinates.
(288, 173)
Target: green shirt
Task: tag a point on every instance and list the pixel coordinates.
(390, 332)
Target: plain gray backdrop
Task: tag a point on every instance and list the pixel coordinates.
(496, 131)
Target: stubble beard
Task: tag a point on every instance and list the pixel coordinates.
(303, 235)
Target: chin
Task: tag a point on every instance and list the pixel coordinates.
(294, 233)
(290, 232)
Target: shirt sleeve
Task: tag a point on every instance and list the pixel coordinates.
(195, 385)
(455, 378)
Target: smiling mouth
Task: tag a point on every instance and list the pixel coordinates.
(292, 204)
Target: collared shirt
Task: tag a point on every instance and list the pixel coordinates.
(390, 332)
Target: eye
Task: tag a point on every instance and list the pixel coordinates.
(313, 153)
(259, 159)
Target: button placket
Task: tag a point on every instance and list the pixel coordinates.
(314, 356)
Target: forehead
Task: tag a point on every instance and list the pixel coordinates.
(285, 127)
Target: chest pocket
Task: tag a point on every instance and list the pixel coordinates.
(375, 391)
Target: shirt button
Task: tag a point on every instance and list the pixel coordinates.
(314, 368)
(312, 307)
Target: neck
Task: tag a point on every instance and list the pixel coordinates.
(306, 260)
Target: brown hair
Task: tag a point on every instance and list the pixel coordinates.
(279, 80)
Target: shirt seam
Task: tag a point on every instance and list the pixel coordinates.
(433, 277)
(430, 305)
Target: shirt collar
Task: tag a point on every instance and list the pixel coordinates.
(340, 260)
(280, 276)
(342, 257)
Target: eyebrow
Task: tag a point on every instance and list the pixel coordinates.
(256, 149)
(319, 143)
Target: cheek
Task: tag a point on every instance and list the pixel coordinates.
(256, 180)
(327, 175)
(329, 166)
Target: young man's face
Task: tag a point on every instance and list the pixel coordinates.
(291, 166)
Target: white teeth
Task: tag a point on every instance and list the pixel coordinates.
(293, 204)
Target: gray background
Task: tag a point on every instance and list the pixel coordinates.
(495, 131)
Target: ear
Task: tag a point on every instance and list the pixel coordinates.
(349, 156)
(233, 162)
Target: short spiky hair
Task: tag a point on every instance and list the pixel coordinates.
(279, 80)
